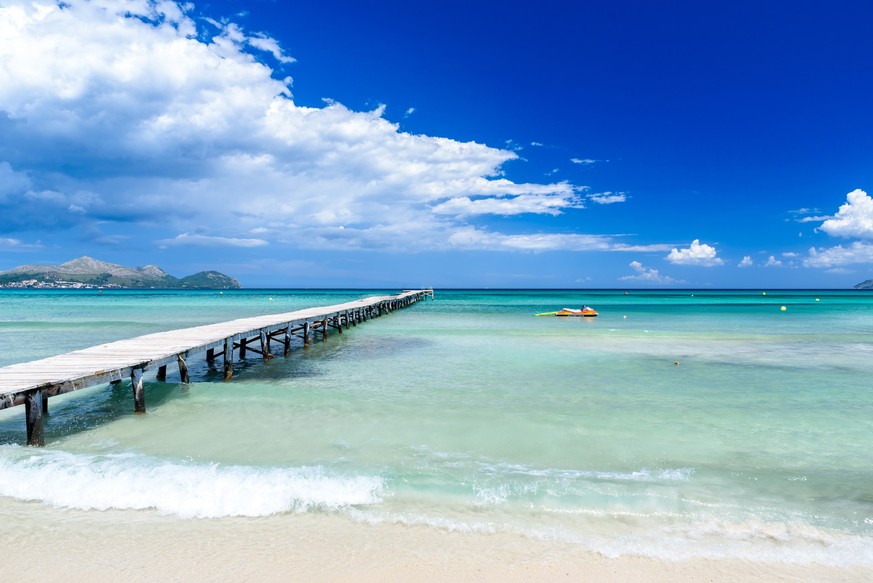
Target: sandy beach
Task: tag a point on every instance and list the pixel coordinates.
(98, 547)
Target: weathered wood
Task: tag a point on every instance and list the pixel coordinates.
(45, 403)
(112, 362)
(265, 351)
(210, 355)
(33, 414)
(228, 359)
(162, 374)
(288, 340)
(183, 368)
(242, 348)
(138, 390)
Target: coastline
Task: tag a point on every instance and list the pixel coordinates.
(112, 546)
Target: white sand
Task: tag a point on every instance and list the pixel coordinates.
(112, 546)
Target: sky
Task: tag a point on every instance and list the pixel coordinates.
(395, 143)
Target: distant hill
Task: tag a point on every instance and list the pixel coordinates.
(865, 284)
(86, 272)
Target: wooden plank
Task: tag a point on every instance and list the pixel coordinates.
(113, 361)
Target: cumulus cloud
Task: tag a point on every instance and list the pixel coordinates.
(857, 252)
(746, 262)
(853, 219)
(648, 275)
(773, 262)
(175, 123)
(696, 254)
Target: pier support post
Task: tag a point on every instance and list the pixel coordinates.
(33, 414)
(288, 340)
(45, 403)
(305, 334)
(210, 354)
(138, 390)
(162, 374)
(183, 368)
(228, 359)
(324, 330)
(265, 348)
(242, 347)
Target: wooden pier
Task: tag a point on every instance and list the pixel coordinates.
(32, 383)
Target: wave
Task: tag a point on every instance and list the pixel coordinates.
(187, 490)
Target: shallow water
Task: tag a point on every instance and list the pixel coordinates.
(469, 413)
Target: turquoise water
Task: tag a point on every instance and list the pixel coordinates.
(676, 424)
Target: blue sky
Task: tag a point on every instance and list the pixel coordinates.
(451, 144)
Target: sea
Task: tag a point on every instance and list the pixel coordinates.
(677, 424)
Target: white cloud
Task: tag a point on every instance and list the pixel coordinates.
(470, 238)
(746, 262)
(648, 275)
(696, 254)
(12, 244)
(857, 252)
(270, 45)
(549, 204)
(854, 219)
(654, 248)
(206, 240)
(165, 114)
(773, 262)
(583, 161)
(608, 197)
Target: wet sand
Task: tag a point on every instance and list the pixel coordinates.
(112, 546)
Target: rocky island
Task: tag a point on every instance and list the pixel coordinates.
(88, 273)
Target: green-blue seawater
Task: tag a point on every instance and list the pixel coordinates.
(675, 424)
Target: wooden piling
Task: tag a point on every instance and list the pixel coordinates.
(162, 374)
(34, 418)
(228, 359)
(288, 340)
(138, 390)
(183, 368)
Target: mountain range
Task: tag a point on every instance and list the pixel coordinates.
(86, 272)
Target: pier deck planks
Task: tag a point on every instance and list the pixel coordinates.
(119, 360)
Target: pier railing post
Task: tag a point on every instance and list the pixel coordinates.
(34, 418)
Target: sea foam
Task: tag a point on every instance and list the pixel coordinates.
(188, 490)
